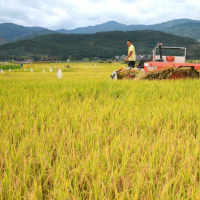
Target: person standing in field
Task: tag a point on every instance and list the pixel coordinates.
(131, 55)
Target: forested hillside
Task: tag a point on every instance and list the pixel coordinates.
(78, 46)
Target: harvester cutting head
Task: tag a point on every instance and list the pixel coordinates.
(126, 73)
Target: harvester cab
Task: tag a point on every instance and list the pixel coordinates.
(167, 59)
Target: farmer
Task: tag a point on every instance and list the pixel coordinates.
(131, 55)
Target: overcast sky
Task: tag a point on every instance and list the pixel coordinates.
(70, 14)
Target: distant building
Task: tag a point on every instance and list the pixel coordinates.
(29, 61)
(138, 57)
(144, 56)
(44, 58)
(123, 56)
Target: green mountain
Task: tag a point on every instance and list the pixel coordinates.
(105, 27)
(31, 35)
(11, 32)
(189, 29)
(182, 27)
(78, 46)
(170, 24)
(115, 26)
(3, 41)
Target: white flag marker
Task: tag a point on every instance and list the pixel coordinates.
(43, 71)
(59, 73)
(50, 70)
(2, 71)
(31, 71)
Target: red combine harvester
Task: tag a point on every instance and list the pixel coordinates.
(162, 66)
(160, 61)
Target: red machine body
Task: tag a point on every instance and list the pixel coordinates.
(160, 61)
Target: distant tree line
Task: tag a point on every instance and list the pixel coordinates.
(103, 45)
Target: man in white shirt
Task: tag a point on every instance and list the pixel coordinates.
(131, 55)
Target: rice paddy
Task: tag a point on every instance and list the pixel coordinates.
(86, 136)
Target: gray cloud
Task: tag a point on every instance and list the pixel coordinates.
(71, 14)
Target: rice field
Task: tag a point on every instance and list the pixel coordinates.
(87, 137)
